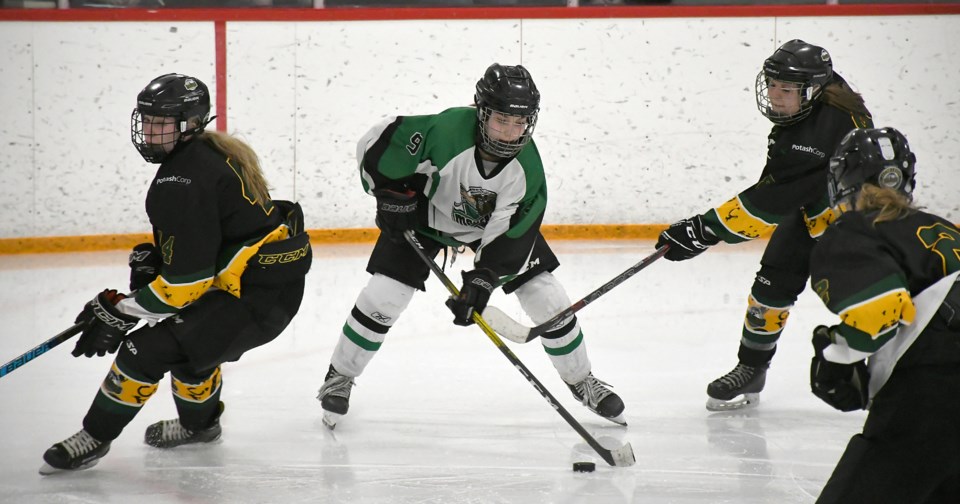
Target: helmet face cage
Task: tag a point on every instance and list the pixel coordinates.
(504, 148)
(878, 156)
(506, 98)
(164, 135)
(171, 108)
(808, 66)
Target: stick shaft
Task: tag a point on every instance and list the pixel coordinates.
(593, 296)
(604, 453)
(40, 349)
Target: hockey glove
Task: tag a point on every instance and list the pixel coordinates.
(144, 264)
(843, 386)
(396, 212)
(478, 284)
(687, 238)
(104, 325)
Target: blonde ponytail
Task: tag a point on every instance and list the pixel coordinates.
(242, 157)
(892, 204)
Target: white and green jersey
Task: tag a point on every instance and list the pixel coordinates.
(496, 207)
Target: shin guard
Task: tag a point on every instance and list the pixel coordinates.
(197, 400)
(541, 298)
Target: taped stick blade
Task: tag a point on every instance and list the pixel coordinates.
(505, 326)
(623, 456)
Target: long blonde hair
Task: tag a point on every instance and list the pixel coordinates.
(890, 204)
(255, 184)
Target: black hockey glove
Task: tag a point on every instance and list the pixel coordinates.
(144, 264)
(104, 325)
(478, 284)
(687, 239)
(843, 386)
(396, 212)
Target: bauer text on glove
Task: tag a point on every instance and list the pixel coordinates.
(396, 212)
(478, 284)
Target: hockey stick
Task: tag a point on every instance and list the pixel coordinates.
(515, 331)
(41, 349)
(621, 457)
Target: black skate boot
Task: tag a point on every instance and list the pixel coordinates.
(599, 399)
(737, 389)
(170, 433)
(79, 451)
(334, 397)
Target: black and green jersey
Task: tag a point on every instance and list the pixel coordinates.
(496, 209)
(794, 178)
(868, 273)
(206, 227)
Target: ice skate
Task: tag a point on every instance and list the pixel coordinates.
(171, 433)
(599, 399)
(738, 389)
(334, 397)
(77, 452)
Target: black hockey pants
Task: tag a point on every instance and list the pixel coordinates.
(191, 345)
(909, 450)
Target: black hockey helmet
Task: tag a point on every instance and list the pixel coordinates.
(183, 98)
(878, 156)
(509, 90)
(807, 65)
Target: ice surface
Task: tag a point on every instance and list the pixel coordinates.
(440, 416)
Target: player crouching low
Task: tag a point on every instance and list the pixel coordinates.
(210, 287)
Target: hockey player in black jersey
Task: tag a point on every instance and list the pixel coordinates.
(224, 274)
(464, 177)
(890, 272)
(812, 108)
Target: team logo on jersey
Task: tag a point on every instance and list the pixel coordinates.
(822, 288)
(176, 179)
(475, 206)
(809, 150)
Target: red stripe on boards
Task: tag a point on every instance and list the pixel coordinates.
(412, 13)
(220, 36)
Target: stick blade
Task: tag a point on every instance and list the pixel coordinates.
(623, 456)
(505, 326)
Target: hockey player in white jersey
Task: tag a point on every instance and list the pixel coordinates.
(468, 176)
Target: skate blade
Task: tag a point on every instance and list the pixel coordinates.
(47, 469)
(619, 420)
(740, 402)
(331, 419)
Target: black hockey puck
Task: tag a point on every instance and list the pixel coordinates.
(584, 466)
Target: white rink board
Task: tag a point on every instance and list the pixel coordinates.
(643, 121)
